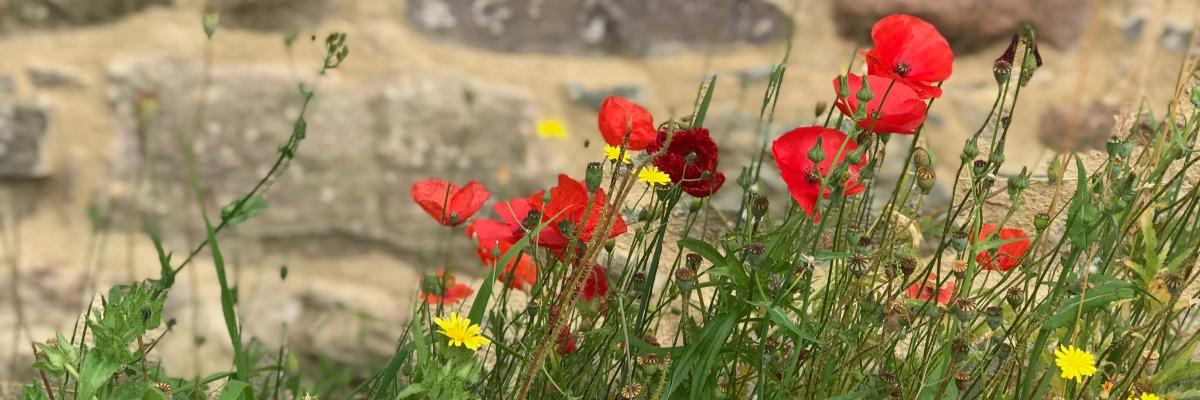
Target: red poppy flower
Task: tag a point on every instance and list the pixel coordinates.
(565, 211)
(802, 176)
(521, 268)
(1009, 254)
(698, 177)
(911, 51)
(902, 112)
(619, 116)
(927, 290)
(452, 292)
(448, 204)
(592, 299)
(566, 342)
(490, 232)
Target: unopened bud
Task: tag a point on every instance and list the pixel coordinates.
(609, 245)
(817, 153)
(922, 158)
(864, 94)
(843, 90)
(970, 151)
(694, 205)
(1054, 170)
(1041, 221)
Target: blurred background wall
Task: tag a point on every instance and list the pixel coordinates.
(96, 97)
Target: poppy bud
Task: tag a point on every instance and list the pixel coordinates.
(856, 154)
(609, 245)
(1195, 96)
(594, 175)
(994, 316)
(1018, 184)
(1041, 221)
(1054, 170)
(760, 205)
(817, 153)
(843, 90)
(1112, 146)
(1028, 66)
(692, 261)
(969, 151)
(922, 158)
(1015, 297)
(864, 94)
(925, 179)
(959, 241)
(820, 108)
(995, 158)
(695, 205)
(755, 253)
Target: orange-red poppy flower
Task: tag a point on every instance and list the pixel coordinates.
(928, 290)
(448, 204)
(619, 116)
(802, 175)
(565, 212)
(901, 111)
(452, 292)
(1009, 254)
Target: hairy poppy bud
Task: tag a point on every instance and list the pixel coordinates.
(864, 94)
(856, 154)
(609, 245)
(1041, 221)
(1028, 66)
(922, 158)
(594, 175)
(692, 261)
(843, 89)
(1195, 96)
(817, 153)
(925, 179)
(820, 108)
(959, 241)
(1054, 170)
(759, 206)
(969, 151)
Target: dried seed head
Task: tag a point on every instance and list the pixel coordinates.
(908, 264)
(926, 178)
(1015, 297)
(922, 158)
(647, 359)
(858, 264)
(164, 387)
(760, 206)
(965, 309)
(692, 261)
(961, 379)
(994, 316)
(958, 268)
(631, 391)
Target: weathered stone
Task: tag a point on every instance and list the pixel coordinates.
(364, 148)
(637, 27)
(969, 24)
(1091, 128)
(594, 98)
(270, 15)
(61, 13)
(48, 77)
(22, 133)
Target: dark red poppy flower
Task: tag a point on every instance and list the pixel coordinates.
(448, 204)
(802, 175)
(699, 176)
(1009, 254)
(911, 51)
(566, 342)
(451, 291)
(902, 110)
(490, 232)
(619, 116)
(564, 214)
(928, 290)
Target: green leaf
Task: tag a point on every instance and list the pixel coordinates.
(702, 108)
(1099, 296)
(411, 390)
(236, 390)
(97, 370)
(34, 392)
(696, 361)
(853, 395)
(243, 209)
(166, 277)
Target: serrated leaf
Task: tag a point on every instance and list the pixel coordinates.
(234, 214)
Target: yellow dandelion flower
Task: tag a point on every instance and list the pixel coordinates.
(1146, 396)
(461, 331)
(612, 152)
(552, 128)
(1074, 362)
(653, 176)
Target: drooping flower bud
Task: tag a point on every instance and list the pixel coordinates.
(969, 151)
(864, 94)
(843, 90)
(594, 176)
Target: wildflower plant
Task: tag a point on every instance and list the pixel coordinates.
(631, 283)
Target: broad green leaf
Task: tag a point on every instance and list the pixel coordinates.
(236, 390)
(1100, 296)
(97, 370)
(702, 108)
(239, 211)
(705, 250)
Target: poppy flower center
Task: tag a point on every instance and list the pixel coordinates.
(812, 176)
(902, 69)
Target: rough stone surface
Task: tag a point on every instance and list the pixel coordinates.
(635, 27)
(63, 13)
(970, 24)
(364, 148)
(270, 15)
(1092, 126)
(22, 133)
(54, 77)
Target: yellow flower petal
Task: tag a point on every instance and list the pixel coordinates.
(551, 128)
(653, 176)
(612, 152)
(460, 331)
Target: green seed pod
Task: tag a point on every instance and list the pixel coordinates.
(1041, 221)
(994, 316)
(1015, 297)
(922, 158)
(864, 94)
(969, 151)
(817, 153)
(594, 176)
(925, 179)
(1001, 70)
(1054, 170)
(959, 241)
